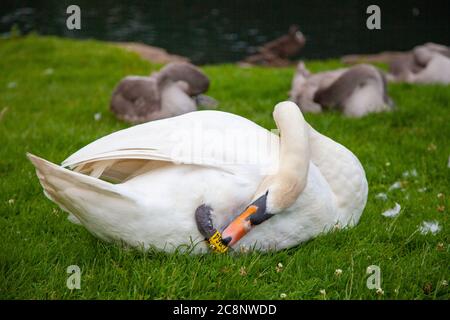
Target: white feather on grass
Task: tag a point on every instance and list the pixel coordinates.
(391, 213)
(97, 116)
(381, 196)
(410, 173)
(395, 185)
(432, 227)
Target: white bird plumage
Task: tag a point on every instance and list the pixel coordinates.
(142, 185)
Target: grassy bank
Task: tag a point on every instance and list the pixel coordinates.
(50, 90)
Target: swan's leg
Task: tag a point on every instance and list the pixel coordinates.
(204, 222)
(206, 228)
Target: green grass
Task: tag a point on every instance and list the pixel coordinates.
(52, 115)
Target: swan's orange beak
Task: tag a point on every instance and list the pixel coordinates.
(253, 215)
(239, 227)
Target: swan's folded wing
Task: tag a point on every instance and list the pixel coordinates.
(209, 138)
(80, 195)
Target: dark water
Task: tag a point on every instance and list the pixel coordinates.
(225, 31)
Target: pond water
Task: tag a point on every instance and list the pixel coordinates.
(227, 31)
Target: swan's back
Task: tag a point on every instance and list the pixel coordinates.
(210, 138)
(344, 174)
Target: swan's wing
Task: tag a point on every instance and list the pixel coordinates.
(80, 195)
(210, 138)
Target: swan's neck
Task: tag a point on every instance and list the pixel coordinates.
(290, 179)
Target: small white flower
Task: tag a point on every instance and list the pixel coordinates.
(97, 116)
(391, 213)
(440, 195)
(395, 185)
(12, 85)
(48, 71)
(338, 272)
(279, 267)
(431, 147)
(432, 227)
(380, 292)
(422, 189)
(11, 201)
(337, 227)
(410, 173)
(387, 164)
(444, 283)
(323, 292)
(3, 112)
(381, 196)
(283, 296)
(244, 249)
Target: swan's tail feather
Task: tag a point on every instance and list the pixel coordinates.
(79, 194)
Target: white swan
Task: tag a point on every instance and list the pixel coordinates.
(165, 170)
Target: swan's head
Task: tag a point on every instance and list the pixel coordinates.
(302, 70)
(279, 191)
(197, 82)
(423, 55)
(298, 36)
(438, 48)
(298, 83)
